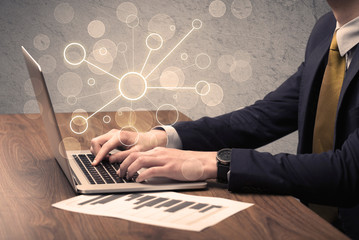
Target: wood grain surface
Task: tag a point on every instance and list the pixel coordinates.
(31, 181)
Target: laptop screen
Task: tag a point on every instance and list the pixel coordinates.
(48, 114)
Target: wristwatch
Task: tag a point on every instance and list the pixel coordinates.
(223, 163)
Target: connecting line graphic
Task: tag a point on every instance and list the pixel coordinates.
(175, 71)
(133, 48)
(102, 70)
(123, 53)
(131, 76)
(196, 87)
(193, 28)
(150, 102)
(128, 69)
(104, 106)
(112, 90)
(148, 56)
(171, 88)
(86, 119)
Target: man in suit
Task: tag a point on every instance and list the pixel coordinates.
(326, 168)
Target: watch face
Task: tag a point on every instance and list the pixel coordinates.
(224, 156)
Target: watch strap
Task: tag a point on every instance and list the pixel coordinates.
(222, 171)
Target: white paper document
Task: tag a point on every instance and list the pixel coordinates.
(165, 209)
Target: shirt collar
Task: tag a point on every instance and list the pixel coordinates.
(347, 36)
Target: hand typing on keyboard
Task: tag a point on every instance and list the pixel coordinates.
(127, 141)
(147, 150)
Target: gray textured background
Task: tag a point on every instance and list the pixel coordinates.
(266, 38)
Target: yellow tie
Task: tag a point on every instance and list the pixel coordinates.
(323, 136)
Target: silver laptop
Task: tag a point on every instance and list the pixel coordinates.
(83, 177)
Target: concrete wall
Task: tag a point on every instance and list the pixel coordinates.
(243, 50)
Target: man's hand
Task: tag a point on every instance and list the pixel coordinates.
(171, 163)
(127, 141)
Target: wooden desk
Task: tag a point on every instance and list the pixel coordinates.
(31, 181)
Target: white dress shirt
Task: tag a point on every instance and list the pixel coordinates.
(348, 38)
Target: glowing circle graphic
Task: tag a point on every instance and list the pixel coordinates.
(103, 51)
(122, 47)
(96, 28)
(154, 39)
(217, 8)
(29, 105)
(164, 106)
(162, 24)
(47, 63)
(106, 119)
(72, 100)
(76, 45)
(133, 86)
(124, 10)
(197, 24)
(41, 42)
(124, 129)
(203, 61)
(64, 13)
(79, 118)
(225, 63)
(184, 56)
(206, 88)
(132, 21)
(91, 81)
(241, 8)
(214, 96)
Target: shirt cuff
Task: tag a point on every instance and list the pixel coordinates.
(173, 139)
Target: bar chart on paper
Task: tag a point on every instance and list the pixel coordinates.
(166, 209)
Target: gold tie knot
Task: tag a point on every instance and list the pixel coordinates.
(334, 44)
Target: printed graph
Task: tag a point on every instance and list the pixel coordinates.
(166, 209)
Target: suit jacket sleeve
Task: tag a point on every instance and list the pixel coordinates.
(267, 120)
(327, 178)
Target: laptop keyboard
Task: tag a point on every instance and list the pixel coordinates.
(102, 173)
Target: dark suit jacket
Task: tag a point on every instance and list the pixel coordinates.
(327, 178)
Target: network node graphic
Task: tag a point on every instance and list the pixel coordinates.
(133, 78)
(132, 86)
(74, 45)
